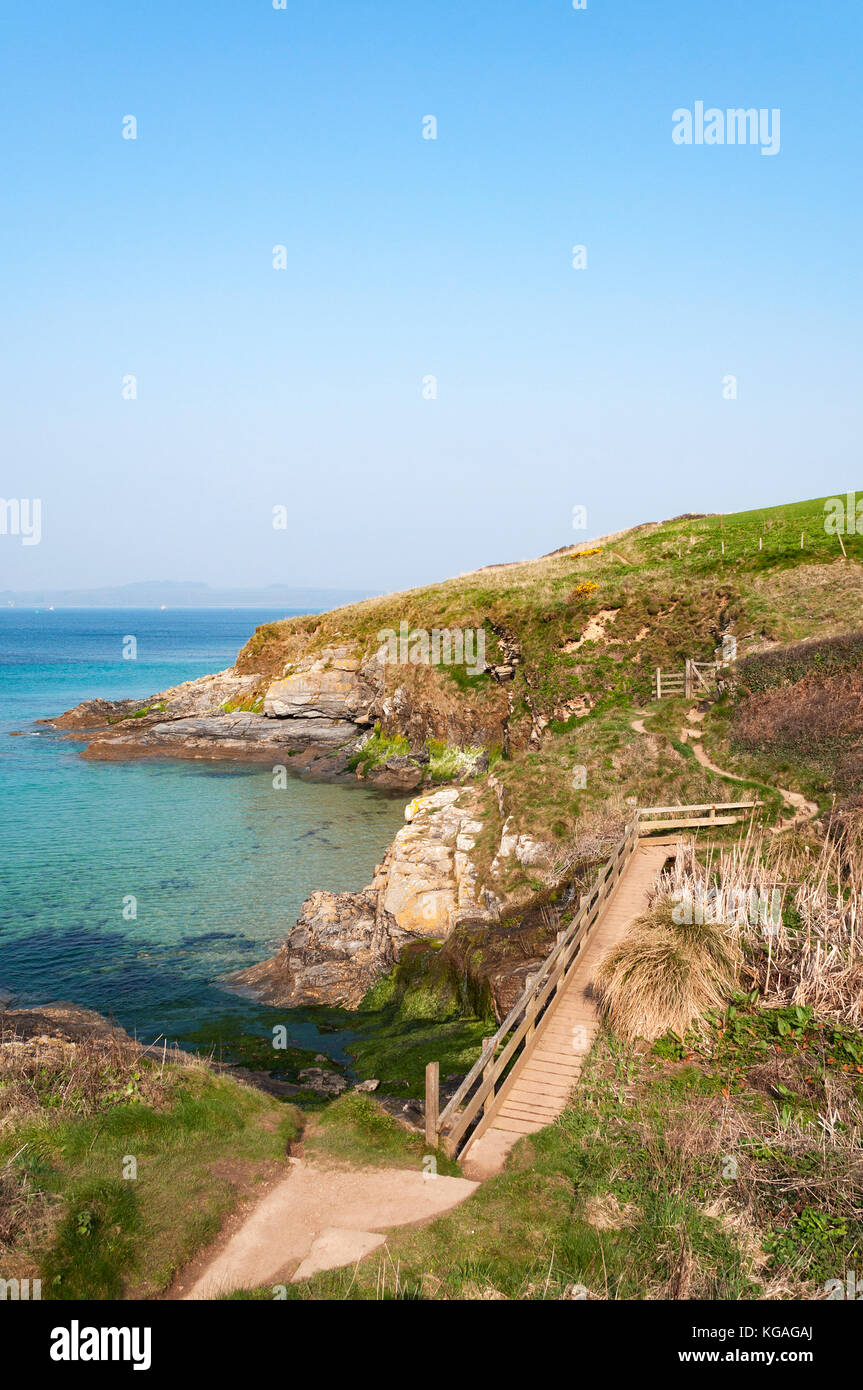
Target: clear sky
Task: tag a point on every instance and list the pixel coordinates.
(408, 258)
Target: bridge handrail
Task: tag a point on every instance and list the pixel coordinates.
(644, 811)
(548, 979)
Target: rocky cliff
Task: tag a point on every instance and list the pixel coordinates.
(426, 885)
(322, 705)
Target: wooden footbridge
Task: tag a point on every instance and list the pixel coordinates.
(523, 1077)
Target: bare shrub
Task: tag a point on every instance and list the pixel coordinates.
(819, 719)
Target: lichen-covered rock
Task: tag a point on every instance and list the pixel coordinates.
(334, 684)
(340, 945)
(204, 696)
(430, 879)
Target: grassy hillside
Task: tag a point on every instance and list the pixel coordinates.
(589, 629)
(683, 579)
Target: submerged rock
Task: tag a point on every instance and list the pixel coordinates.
(327, 1083)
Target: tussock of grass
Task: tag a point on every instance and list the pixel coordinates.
(664, 975)
(446, 762)
(375, 750)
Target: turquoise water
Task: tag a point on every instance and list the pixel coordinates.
(218, 861)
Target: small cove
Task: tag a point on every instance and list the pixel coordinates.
(217, 860)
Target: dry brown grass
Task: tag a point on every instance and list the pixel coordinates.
(55, 1078)
(811, 954)
(665, 974)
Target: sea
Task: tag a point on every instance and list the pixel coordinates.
(135, 888)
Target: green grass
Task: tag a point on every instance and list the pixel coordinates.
(376, 749)
(355, 1130)
(110, 1236)
(533, 1233)
(446, 762)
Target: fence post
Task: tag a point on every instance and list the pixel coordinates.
(659, 683)
(687, 680)
(432, 1101)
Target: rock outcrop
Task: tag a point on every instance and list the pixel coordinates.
(240, 735)
(333, 684)
(340, 945)
(205, 696)
(344, 942)
(430, 880)
(530, 853)
(321, 715)
(323, 701)
(67, 1022)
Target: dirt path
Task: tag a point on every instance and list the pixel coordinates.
(320, 1218)
(801, 809)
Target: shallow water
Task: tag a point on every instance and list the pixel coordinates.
(217, 861)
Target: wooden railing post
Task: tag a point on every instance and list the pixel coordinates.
(658, 683)
(530, 1014)
(432, 1102)
(487, 1072)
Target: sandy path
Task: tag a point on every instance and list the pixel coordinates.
(801, 809)
(322, 1218)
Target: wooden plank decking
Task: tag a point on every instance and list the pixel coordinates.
(538, 1088)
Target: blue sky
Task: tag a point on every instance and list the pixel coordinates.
(406, 258)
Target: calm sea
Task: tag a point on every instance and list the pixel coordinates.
(217, 860)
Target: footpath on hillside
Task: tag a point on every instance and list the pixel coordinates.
(801, 808)
(317, 1218)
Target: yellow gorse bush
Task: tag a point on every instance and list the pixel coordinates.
(581, 589)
